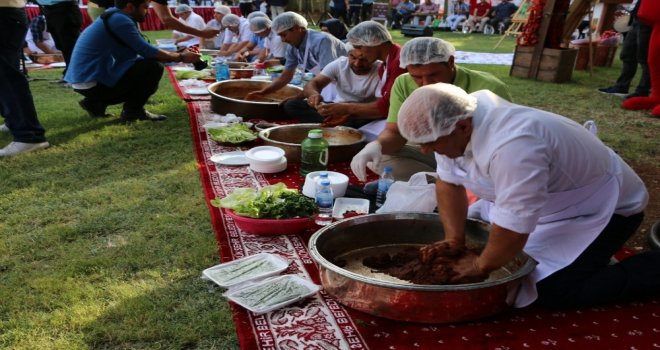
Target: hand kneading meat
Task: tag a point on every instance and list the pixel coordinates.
(435, 266)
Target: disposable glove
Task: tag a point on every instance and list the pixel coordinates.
(371, 153)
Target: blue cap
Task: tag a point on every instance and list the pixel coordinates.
(387, 169)
(325, 182)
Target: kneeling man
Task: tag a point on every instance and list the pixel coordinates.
(112, 63)
(357, 81)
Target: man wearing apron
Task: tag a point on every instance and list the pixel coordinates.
(548, 187)
(308, 50)
(428, 61)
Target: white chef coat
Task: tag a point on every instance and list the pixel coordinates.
(194, 20)
(244, 32)
(542, 174)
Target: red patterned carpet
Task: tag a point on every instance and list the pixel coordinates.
(320, 322)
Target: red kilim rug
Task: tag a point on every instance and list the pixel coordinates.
(321, 323)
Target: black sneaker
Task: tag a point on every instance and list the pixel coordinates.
(94, 111)
(613, 90)
(637, 94)
(143, 115)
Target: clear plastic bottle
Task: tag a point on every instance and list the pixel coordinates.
(314, 152)
(260, 69)
(297, 78)
(384, 183)
(324, 198)
(221, 71)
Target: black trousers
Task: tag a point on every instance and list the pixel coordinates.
(64, 21)
(590, 280)
(133, 89)
(16, 104)
(246, 8)
(366, 12)
(634, 51)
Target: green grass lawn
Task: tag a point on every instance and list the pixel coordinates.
(104, 235)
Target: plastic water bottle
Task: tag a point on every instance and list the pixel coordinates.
(297, 78)
(260, 69)
(384, 183)
(323, 200)
(221, 71)
(314, 153)
(322, 176)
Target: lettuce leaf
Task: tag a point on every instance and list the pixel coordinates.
(270, 202)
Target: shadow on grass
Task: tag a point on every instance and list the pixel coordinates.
(166, 318)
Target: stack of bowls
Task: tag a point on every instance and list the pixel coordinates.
(338, 182)
(266, 159)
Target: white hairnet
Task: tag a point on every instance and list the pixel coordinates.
(183, 8)
(368, 33)
(288, 20)
(259, 24)
(425, 50)
(432, 111)
(230, 20)
(225, 10)
(256, 14)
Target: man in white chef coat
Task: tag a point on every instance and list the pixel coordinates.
(548, 187)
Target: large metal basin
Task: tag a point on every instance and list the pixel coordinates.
(228, 97)
(344, 142)
(409, 302)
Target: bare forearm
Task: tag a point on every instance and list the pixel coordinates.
(503, 245)
(390, 139)
(165, 15)
(45, 48)
(364, 110)
(452, 207)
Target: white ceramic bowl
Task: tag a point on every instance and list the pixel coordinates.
(338, 182)
(265, 155)
(270, 168)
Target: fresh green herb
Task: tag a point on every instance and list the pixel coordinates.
(269, 202)
(242, 271)
(271, 294)
(193, 74)
(235, 133)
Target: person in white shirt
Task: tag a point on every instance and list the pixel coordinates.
(237, 35)
(548, 187)
(273, 47)
(357, 81)
(219, 13)
(188, 17)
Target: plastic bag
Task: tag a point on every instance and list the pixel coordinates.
(415, 195)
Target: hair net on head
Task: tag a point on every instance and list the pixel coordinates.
(288, 20)
(182, 9)
(259, 24)
(424, 51)
(230, 20)
(256, 14)
(432, 111)
(225, 10)
(368, 33)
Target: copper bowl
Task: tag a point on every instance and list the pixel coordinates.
(410, 302)
(228, 97)
(344, 142)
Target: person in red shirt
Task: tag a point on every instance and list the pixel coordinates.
(479, 16)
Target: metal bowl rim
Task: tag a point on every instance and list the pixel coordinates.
(268, 130)
(324, 263)
(217, 83)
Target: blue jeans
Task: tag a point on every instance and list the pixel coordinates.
(16, 104)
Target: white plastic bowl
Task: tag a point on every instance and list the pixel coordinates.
(338, 182)
(265, 155)
(269, 168)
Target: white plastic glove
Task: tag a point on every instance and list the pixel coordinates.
(372, 152)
